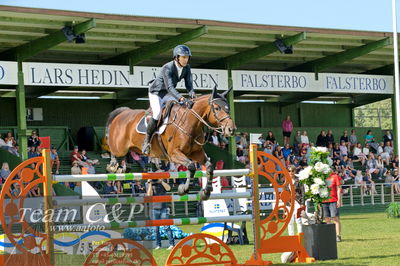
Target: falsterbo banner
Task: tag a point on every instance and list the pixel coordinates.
(306, 82)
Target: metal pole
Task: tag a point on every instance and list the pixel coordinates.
(396, 77)
(48, 205)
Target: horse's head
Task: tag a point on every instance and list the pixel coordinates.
(220, 112)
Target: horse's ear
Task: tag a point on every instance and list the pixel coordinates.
(225, 93)
(214, 92)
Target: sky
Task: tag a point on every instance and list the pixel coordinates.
(370, 15)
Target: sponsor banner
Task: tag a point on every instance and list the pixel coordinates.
(306, 82)
(79, 75)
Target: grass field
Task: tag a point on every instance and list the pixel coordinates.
(369, 238)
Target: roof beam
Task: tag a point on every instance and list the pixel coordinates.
(236, 60)
(336, 59)
(32, 48)
(359, 100)
(385, 70)
(138, 55)
(291, 98)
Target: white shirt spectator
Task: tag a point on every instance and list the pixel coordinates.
(304, 139)
(215, 140)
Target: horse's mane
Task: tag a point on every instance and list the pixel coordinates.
(114, 113)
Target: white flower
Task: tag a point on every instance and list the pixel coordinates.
(322, 168)
(315, 189)
(306, 188)
(305, 173)
(320, 149)
(323, 192)
(319, 181)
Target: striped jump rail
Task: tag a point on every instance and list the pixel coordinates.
(146, 176)
(148, 199)
(144, 223)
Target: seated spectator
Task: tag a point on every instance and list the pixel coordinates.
(76, 156)
(304, 138)
(9, 140)
(347, 167)
(372, 166)
(353, 139)
(270, 139)
(109, 188)
(336, 150)
(35, 192)
(370, 184)
(4, 172)
(137, 188)
(75, 170)
(393, 180)
(386, 151)
(5, 146)
(287, 151)
(322, 140)
(388, 137)
(395, 162)
(279, 154)
(369, 138)
(330, 150)
(33, 140)
(297, 143)
(112, 166)
(343, 149)
(32, 153)
(381, 166)
(214, 138)
(359, 181)
(86, 159)
(303, 163)
(16, 190)
(122, 167)
(329, 137)
(223, 146)
(54, 160)
(243, 140)
(345, 138)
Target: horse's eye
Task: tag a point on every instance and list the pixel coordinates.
(217, 108)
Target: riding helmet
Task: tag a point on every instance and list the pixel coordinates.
(181, 50)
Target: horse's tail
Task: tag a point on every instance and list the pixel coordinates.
(112, 115)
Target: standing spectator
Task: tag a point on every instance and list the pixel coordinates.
(388, 137)
(369, 137)
(346, 140)
(304, 138)
(33, 140)
(353, 139)
(159, 209)
(322, 140)
(54, 160)
(331, 206)
(329, 137)
(4, 172)
(287, 127)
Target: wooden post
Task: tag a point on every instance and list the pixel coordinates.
(48, 204)
(382, 194)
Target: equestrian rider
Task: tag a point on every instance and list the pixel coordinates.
(163, 88)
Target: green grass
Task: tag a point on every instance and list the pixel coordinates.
(369, 238)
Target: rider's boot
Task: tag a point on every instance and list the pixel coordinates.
(151, 127)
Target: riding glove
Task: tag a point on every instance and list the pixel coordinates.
(192, 94)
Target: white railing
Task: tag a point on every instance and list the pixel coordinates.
(356, 195)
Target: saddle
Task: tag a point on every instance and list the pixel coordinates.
(165, 113)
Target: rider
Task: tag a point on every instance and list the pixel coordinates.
(163, 88)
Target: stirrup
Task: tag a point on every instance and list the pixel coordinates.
(146, 147)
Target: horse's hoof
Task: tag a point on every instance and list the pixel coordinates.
(205, 194)
(182, 190)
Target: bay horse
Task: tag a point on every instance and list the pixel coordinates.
(183, 138)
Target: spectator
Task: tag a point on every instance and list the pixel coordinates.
(372, 167)
(86, 159)
(395, 162)
(279, 154)
(4, 172)
(76, 156)
(359, 181)
(35, 192)
(385, 152)
(287, 127)
(330, 150)
(33, 140)
(159, 209)
(297, 142)
(9, 140)
(109, 188)
(137, 188)
(223, 146)
(331, 206)
(268, 148)
(270, 139)
(214, 138)
(371, 183)
(336, 151)
(322, 140)
(369, 138)
(346, 140)
(17, 190)
(380, 165)
(353, 139)
(243, 140)
(5, 146)
(287, 151)
(343, 149)
(304, 138)
(75, 170)
(388, 137)
(32, 152)
(329, 137)
(55, 160)
(394, 181)
(122, 167)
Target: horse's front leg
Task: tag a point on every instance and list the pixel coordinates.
(180, 158)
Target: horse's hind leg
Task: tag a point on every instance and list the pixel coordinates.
(184, 188)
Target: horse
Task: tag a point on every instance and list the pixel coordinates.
(183, 138)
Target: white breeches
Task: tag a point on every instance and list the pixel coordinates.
(156, 103)
(293, 219)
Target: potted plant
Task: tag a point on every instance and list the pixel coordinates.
(319, 238)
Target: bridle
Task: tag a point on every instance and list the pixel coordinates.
(219, 129)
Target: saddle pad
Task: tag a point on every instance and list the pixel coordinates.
(141, 127)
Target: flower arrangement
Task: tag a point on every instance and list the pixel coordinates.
(314, 177)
